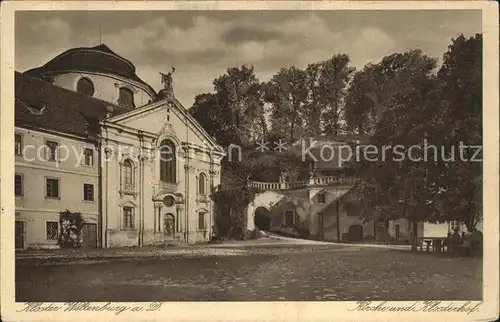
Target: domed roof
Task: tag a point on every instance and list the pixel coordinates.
(90, 59)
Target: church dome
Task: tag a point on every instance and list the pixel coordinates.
(98, 59)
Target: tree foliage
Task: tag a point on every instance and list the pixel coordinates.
(241, 94)
(71, 225)
(333, 81)
(234, 112)
(460, 117)
(230, 210)
(309, 102)
(415, 107)
(287, 92)
(404, 100)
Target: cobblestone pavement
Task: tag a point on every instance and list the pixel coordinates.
(258, 274)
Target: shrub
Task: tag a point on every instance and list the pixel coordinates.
(303, 232)
(253, 234)
(230, 210)
(71, 224)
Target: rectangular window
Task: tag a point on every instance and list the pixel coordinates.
(88, 192)
(18, 185)
(88, 157)
(18, 144)
(201, 221)
(52, 230)
(321, 198)
(52, 188)
(51, 151)
(289, 218)
(455, 225)
(128, 218)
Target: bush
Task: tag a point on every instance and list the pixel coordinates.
(71, 224)
(230, 210)
(303, 232)
(369, 238)
(289, 232)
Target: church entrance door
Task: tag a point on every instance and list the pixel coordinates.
(169, 226)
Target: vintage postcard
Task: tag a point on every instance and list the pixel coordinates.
(249, 161)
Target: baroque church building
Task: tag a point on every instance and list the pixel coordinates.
(92, 137)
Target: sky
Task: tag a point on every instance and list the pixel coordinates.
(203, 44)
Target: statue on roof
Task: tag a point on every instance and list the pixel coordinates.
(167, 81)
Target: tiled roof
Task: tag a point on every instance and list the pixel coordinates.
(43, 105)
(99, 59)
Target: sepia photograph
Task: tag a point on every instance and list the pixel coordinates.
(239, 155)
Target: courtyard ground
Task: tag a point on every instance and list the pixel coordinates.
(256, 273)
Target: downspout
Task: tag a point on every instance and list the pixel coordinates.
(105, 228)
(99, 189)
(141, 177)
(186, 172)
(141, 203)
(337, 208)
(210, 205)
(142, 197)
(107, 206)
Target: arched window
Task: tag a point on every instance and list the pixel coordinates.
(126, 97)
(167, 162)
(85, 86)
(202, 181)
(128, 177)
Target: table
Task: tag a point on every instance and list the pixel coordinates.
(437, 243)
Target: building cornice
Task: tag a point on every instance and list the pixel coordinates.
(56, 169)
(90, 50)
(43, 130)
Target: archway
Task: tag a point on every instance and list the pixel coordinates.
(355, 233)
(262, 218)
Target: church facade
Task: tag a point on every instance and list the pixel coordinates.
(92, 137)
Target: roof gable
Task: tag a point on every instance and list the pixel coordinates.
(127, 119)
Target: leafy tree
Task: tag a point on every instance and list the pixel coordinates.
(234, 114)
(240, 95)
(360, 102)
(393, 187)
(416, 108)
(333, 81)
(460, 118)
(230, 207)
(314, 108)
(373, 88)
(287, 92)
(71, 225)
(216, 120)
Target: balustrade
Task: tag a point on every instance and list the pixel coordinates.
(315, 181)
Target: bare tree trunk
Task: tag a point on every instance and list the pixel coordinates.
(414, 240)
(293, 121)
